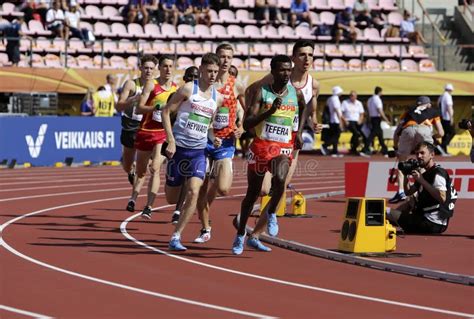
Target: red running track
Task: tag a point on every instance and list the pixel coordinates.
(72, 251)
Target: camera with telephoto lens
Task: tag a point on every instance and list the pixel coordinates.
(409, 166)
(464, 124)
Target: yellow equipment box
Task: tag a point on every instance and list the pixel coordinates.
(281, 209)
(298, 204)
(365, 228)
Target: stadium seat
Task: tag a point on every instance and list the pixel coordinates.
(219, 32)
(8, 9)
(426, 65)
(37, 61)
(287, 32)
(372, 35)
(185, 31)
(85, 62)
(86, 25)
(338, 65)
(391, 65)
(373, 65)
(98, 61)
(398, 50)
(119, 29)
(127, 46)
(52, 61)
(102, 29)
(278, 48)
(383, 51)
(337, 5)
(387, 5)
(162, 47)
(93, 12)
(237, 4)
(373, 5)
(242, 49)
(24, 61)
(418, 52)
(135, 30)
(332, 51)
(314, 18)
(197, 61)
(270, 32)
(169, 31)
(409, 65)
(253, 32)
(238, 63)
(58, 45)
(36, 27)
(109, 46)
(236, 32)
(320, 5)
(145, 47)
(321, 65)
(243, 16)
(118, 62)
(318, 51)
(41, 45)
(389, 39)
(194, 47)
(25, 45)
(327, 18)
(253, 64)
(184, 62)
(153, 31)
(228, 16)
(367, 51)
(76, 45)
(203, 32)
(395, 18)
(214, 16)
(111, 13)
(349, 3)
(4, 59)
(350, 51)
(266, 64)
(261, 49)
(132, 62)
(284, 4)
(304, 32)
(354, 65)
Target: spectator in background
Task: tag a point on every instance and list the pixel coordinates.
(13, 33)
(152, 9)
(299, 12)
(55, 20)
(86, 104)
(445, 102)
(353, 113)
(112, 86)
(272, 13)
(103, 104)
(344, 26)
(362, 15)
(218, 5)
(376, 114)
(135, 9)
(259, 11)
(202, 12)
(169, 12)
(407, 29)
(336, 122)
(35, 10)
(185, 12)
(71, 22)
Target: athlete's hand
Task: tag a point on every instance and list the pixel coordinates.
(238, 131)
(171, 149)
(276, 104)
(298, 142)
(217, 142)
(318, 128)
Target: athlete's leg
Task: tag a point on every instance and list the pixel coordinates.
(266, 184)
(143, 158)
(128, 157)
(193, 185)
(254, 181)
(220, 185)
(154, 182)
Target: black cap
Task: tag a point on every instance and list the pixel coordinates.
(423, 100)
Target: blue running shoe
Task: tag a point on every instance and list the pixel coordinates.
(272, 225)
(175, 244)
(238, 245)
(256, 244)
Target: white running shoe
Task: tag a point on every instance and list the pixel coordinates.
(203, 237)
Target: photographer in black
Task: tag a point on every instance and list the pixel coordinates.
(431, 198)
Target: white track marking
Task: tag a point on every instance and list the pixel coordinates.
(111, 283)
(24, 312)
(123, 229)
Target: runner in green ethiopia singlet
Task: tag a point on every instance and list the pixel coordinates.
(276, 129)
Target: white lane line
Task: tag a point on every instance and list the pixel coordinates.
(111, 283)
(88, 185)
(128, 188)
(123, 229)
(24, 312)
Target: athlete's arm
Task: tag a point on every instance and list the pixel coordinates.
(439, 128)
(252, 117)
(142, 107)
(172, 106)
(304, 113)
(240, 93)
(313, 104)
(124, 101)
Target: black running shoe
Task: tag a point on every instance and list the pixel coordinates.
(131, 178)
(175, 217)
(131, 206)
(146, 213)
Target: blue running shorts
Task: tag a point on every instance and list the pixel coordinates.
(226, 150)
(186, 163)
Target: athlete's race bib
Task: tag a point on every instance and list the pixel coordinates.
(277, 129)
(197, 126)
(135, 116)
(296, 123)
(157, 115)
(221, 120)
(286, 151)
